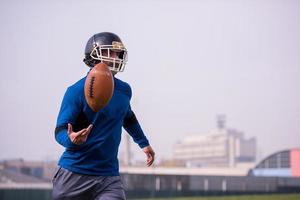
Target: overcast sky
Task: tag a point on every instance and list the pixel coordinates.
(189, 60)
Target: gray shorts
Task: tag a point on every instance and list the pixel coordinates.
(68, 185)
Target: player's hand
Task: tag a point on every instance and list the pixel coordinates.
(150, 155)
(79, 137)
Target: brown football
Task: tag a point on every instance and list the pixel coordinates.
(98, 87)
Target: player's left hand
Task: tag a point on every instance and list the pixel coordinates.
(150, 155)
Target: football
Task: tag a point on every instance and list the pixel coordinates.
(98, 87)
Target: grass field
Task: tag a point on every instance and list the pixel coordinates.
(240, 197)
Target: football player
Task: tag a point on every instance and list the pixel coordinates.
(88, 168)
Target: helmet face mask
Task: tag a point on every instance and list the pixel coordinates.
(106, 48)
(103, 53)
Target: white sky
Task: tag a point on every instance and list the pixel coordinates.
(189, 60)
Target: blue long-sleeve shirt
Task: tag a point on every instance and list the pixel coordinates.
(98, 155)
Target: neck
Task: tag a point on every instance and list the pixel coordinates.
(114, 73)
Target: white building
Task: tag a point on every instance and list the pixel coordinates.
(220, 148)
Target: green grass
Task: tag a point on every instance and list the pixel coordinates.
(240, 197)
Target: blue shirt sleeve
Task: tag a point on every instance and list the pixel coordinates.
(132, 126)
(69, 111)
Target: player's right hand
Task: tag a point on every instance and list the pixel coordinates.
(79, 137)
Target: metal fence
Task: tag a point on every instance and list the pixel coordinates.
(138, 185)
(143, 186)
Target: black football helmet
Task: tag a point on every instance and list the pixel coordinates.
(105, 42)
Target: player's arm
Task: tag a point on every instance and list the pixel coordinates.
(69, 111)
(132, 126)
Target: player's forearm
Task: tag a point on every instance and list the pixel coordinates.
(132, 126)
(136, 132)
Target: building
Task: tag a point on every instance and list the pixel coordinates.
(37, 169)
(15, 185)
(220, 148)
(280, 164)
(16, 180)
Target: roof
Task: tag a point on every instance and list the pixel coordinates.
(185, 171)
